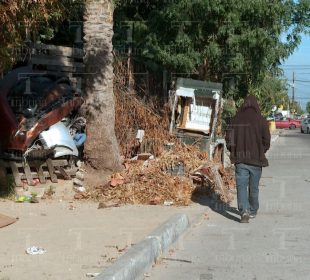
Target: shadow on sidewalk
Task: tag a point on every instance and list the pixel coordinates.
(216, 205)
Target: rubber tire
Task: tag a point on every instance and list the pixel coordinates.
(308, 131)
(292, 126)
(301, 130)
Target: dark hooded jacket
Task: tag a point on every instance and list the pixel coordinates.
(248, 136)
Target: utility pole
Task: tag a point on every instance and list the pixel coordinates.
(293, 95)
(293, 89)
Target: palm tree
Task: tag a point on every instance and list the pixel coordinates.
(101, 149)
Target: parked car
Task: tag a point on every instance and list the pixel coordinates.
(275, 116)
(288, 123)
(305, 126)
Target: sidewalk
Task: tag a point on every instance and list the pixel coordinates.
(78, 237)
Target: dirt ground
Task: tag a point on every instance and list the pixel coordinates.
(78, 237)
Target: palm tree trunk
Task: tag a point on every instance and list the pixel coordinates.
(101, 148)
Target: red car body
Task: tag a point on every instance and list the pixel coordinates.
(288, 123)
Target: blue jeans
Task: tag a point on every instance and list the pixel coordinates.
(247, 180)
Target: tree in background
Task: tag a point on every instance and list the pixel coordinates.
(308, 107)
(295, 108)
(234, 42)
(28, 21)
(22, 22)
(270, 92)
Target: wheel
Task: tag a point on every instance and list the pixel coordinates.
(301, 130)
(308, 131)
(292, 126)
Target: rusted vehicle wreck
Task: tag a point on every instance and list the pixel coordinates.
(41, 131)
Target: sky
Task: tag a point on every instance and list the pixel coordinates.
(299, 62)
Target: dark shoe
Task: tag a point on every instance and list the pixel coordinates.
(245, 217)
(252, 216)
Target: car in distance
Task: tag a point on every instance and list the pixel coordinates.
(288, 123)
(305, 126)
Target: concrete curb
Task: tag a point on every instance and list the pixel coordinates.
(143, 255)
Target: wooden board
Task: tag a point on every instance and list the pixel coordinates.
(28, 175)
(3, 182)
(41, 175)
(46, 174)
(51, 170)
(16, 175)
(185, 112)
(63, 172)
(5, 220)
(58, 50)
(38, 166)
(66, 71)
(60, 61)
(56, 162)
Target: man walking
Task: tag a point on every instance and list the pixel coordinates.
(248, 139)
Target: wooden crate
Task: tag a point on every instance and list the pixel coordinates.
(42, 170)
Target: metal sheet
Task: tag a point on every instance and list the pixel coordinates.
(59, 138)
(185, 92)
(198, 84)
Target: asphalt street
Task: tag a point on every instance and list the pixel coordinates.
(275, 245)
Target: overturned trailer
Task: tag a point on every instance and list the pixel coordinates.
(195, 110)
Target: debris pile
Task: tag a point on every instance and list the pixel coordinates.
(159, 169)
(166, 180)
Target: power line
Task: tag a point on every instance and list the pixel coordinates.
(295, 65)
(296, 68)
(303, 81)
(303, 84)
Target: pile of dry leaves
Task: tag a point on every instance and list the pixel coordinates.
(164, 180)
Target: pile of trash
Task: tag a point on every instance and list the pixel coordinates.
(159, 169)
(170, 179)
